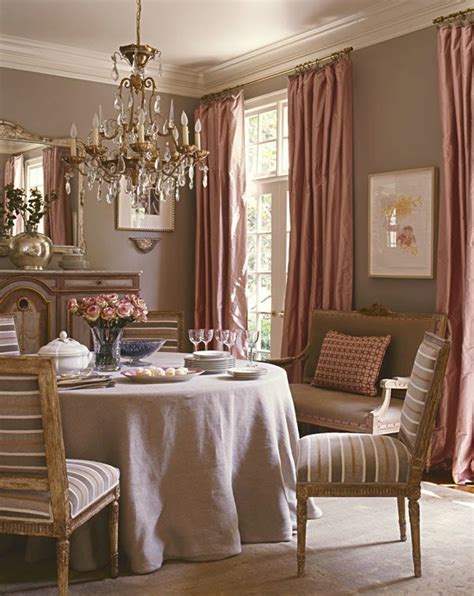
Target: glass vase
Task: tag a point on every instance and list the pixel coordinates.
(107, 342)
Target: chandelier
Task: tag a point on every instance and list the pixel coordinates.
(140, 149)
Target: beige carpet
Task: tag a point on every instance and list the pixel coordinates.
(353, 549)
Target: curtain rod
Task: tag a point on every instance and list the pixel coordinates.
(299, 69)
(454, 15)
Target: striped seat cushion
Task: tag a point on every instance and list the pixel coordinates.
(352, 458)
(8, 337)
(88, 481)
(418, 388)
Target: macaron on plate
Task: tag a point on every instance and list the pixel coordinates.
(156, 374)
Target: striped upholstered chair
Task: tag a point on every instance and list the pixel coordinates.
(8, 336)
(41, 492)
(361, 465)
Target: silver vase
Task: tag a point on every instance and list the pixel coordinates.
(31, 251)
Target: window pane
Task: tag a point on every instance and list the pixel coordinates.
(251, 129)
(265, 331)
(267, 157)
(285, 121)
(265, 252)
(251, 164)
(267, 126)
(265, 216)
(251, 214)
(251, 252)
(284, 157)
(265, 293)
(252, 292)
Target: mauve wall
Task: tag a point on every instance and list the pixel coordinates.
(47, 105)
(396, 127)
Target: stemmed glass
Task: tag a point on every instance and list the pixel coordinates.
(195, 337)
(230, 340)
(207, 335)
(251, 338)
(221, 335)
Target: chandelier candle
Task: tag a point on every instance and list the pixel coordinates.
(138, 144)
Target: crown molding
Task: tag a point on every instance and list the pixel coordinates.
(387, 20)
(87, 65)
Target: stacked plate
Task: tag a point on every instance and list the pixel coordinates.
(247, 373)
(211, 361)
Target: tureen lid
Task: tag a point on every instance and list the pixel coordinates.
(63, 346)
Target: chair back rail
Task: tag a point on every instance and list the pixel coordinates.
(32, 456)
(167, 325)
(406, 331)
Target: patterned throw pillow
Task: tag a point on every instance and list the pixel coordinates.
(350, 363)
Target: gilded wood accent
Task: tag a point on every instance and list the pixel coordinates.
(402, 518)
(61, 525)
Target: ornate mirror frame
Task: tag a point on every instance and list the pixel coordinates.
(10, 131)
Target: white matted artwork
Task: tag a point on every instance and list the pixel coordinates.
(401, 223)
(155, 216)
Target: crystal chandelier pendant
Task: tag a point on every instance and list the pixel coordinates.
(139, 144)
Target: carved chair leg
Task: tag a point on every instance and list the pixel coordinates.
(62, 558)
(401, 518)
(301, 517)
(113, 537)
(414, 510)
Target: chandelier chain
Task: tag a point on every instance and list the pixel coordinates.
(138, 19)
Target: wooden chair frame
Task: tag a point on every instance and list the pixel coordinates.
(61, 526)
(410, 490)
(155, 316)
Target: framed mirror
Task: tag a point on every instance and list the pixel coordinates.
(27, 161)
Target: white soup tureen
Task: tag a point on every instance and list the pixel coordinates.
(69, 356)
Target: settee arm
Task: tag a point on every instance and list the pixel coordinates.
(387, 385)
(289, 360)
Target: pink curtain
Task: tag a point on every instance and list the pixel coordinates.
(320, 183)
(9, 172)
(58, 222)
(453, 438)
(221, 228)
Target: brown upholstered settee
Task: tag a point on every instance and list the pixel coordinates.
(339, 410)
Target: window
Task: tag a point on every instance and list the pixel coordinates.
(266, 145)
(35, 179)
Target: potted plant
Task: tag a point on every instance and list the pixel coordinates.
(107, 315)
(7, 221)
(30, 249)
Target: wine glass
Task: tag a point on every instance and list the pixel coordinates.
(221, 335)
(195, 337)
(251, 339)
(207, 335)
(230, 340)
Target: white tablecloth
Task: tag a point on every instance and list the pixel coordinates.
(205, 465)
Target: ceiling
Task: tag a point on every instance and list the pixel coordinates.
(179, 28)
(206, 45)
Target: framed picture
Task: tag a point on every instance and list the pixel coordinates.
(155, 216)
(401, 223)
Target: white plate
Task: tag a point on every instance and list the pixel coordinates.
(129, 374)
(211, 355)
(247, 372)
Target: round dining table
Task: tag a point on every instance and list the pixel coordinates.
(205, 465)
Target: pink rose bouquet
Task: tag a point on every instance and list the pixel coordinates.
(109, 310)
